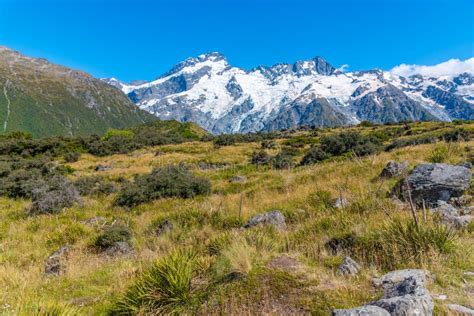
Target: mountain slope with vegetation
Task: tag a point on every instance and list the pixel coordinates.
(45, 99)
(171, 228)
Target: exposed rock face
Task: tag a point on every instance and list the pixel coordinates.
(102, 168)
(408, 297)
(436, 181)
(393, 169)
(274, 218)
(368, 310)
(397, 276)
(55, 264)
(348, 267)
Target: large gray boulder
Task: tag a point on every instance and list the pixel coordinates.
(436, 181)
(274, 218)
(392, 278)
(393, 169)
(408, 297)
(368, 310)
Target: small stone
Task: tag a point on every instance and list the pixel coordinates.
(164, 227)
(439, 297)
(348, 267)
(393, 169)
(460, 310)
(97, 221)
(274, 218)
(238, 179)
(102, 168)
(119, 248)
(340, 203)
(368, 310)
(55, 263)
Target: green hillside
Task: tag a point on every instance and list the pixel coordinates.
(45, 99)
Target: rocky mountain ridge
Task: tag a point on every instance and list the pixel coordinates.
(224, 99)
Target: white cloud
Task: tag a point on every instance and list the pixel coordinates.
(451, 67)
(343, 68)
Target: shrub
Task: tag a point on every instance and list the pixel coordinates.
(268, 144)
(112, 235)
(171, 181)
(94, 185)
(165, 288)
(115, 132)
(456, 135)
(260, 157)
(404, 142)
(56, 194)
(282, 161)
(314, 155)
(443, 152)
(72, 157)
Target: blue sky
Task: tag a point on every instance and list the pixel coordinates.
(142, 39)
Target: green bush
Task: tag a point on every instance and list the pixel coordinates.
(94, 185)
(112, 235)
(170, 181)
(314, 155)
(456, 135)
(72, 157)
(260, 157)
(166, 288)
(282, 161)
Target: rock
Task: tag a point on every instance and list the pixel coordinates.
(439, 297)
(461, 201)
(340, 203)
(102, 168)
(452, 216)
(348, 267)
(466, 164)
(55, 263)
(408, 297)
(432, 182)
(394, 277)
(368, 310)
(393, 169)
(164, 227)
(119, 248)
(238, 179)
(274, 218)
(457, 222)
(460, 310)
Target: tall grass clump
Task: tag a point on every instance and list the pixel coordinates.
(403, 242)
(235, 261)
(442, 152)
(166, 288)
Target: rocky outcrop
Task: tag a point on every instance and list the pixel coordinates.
(274, 218)
(457, 217)
(404, 294)
(460, 310)
(433, 182)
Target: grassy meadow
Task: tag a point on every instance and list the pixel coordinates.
(209, 264)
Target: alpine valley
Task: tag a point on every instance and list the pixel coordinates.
(221, 98)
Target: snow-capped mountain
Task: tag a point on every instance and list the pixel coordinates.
(226, 99)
